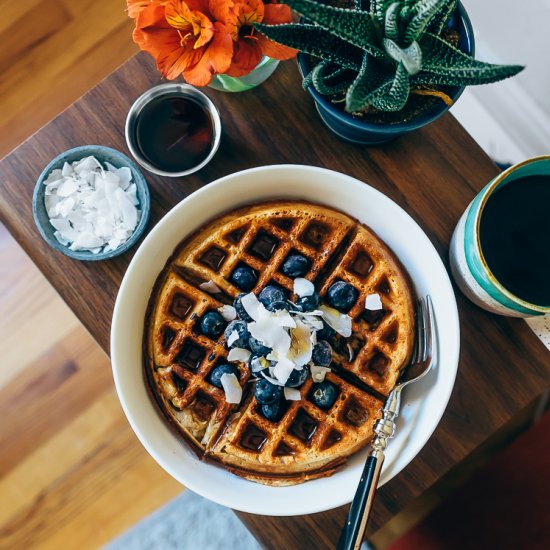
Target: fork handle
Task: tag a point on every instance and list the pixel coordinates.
(359, 512)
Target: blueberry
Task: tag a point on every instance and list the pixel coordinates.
(217, 372)
(297, 378)
(242, 331)
(326, 333)
(324, 395)
(322, 354)
(257, 347)
(342, 296)
(265, 392)
(273, 298)
(295, 265)
(241, 312)
(244, 277)
(276, 306)
(272, 411)
(212, 324)
(308, 303)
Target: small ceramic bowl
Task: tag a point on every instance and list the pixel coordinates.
(103, 155)
(171, 89)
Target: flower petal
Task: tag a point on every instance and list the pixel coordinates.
(135, 7)
(276, 14)
(195, 26)
(220, 9)
(199, 5)
(151, 15)
(215, 57)
(154, 35)
(247, 54)
(275, 50)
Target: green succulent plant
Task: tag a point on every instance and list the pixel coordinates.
(377, 52)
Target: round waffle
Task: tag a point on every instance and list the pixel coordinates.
(307, 442)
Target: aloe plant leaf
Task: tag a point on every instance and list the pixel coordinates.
(368, 83)
(321, 81)
(379, 7)
(441, 19)
(354, 26)
(314, 40)
(307, 81)
(410, 57)
(397, 95)
(333, 71)
(442, 59)
(391, 27)
(423, 13)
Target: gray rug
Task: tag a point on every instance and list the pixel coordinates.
(189, 522)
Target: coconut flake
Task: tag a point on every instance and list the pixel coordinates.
(238, 354)
(210, 286)
(340, 322)
(229, 313)
(270, 333)
(373, 302)
(253, 306)
(318, 373)
(231, 387)
(303, 287)
(233, 337)
(350, 352)
(315, 313)
(292, 394)
(301, 346)
(271, 379)
(283, 318)
(67, 170)
(258, 364)
(314, 323)
(283, 369)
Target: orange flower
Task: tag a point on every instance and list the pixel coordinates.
(249, 46)
(181, 36)
(136, 6)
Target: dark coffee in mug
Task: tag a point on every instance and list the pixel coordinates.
(514, 235)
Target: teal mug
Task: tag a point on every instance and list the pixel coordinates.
(472, 251)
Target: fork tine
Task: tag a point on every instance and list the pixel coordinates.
(419, 331)
(425, 321)
(429, 327)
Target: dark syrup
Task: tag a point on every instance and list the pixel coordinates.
(515, 238)
(174, 133)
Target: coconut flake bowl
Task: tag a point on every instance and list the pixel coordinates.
(103, 155)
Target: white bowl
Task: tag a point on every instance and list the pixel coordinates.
(424, 402)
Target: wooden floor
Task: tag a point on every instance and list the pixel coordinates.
(72, 473)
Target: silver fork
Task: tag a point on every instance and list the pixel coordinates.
(359, 512)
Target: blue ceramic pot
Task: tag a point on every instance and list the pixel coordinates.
(102, 154)
(355, 130)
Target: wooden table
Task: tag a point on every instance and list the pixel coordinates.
(432, 173)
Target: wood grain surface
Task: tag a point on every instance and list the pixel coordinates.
(52, 52)
(432, 174)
